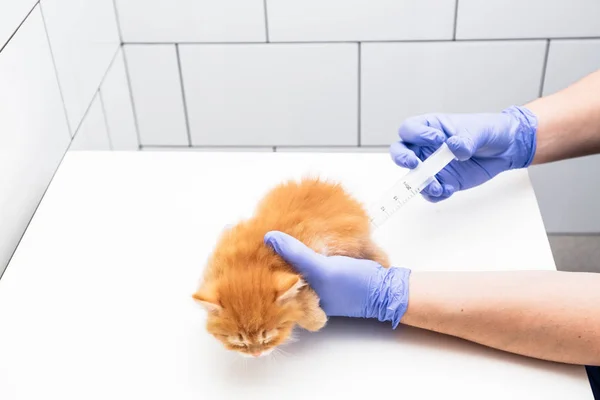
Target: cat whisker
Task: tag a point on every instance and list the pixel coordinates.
(232, 362)
(281, 352)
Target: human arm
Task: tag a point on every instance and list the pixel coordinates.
(542, 314)
(568, 121)
(562, 125)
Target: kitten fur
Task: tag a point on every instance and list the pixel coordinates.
(253, 298)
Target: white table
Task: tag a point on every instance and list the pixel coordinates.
(96, 301)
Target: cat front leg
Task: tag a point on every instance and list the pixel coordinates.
(314, 318)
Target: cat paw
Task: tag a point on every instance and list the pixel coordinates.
(313, 321)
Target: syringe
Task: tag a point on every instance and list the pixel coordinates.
(409, 186)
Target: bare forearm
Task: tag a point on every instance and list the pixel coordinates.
(568, 121)
(543, 314)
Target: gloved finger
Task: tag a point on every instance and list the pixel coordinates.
(416, 130)
(434, 199)
(447, 191)
(465, 144)
(434, 189)
(296, 253)
(403, 156)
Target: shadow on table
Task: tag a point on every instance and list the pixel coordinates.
(436, 347)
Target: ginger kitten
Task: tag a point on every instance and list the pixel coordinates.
(253, 298)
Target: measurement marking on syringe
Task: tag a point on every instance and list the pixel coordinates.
(410, 185)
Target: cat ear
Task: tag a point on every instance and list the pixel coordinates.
(287, 285)
(207, 298)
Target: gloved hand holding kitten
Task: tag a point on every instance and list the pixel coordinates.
(347, 287)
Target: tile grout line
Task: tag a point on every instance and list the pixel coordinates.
(185, 108)
(112, 61)
(120, 32)
(359, 100)
(455, 20)
(308, 146)
(19, 26)
(62, 97)
(266, 21)
(135, 117)
(101, 98)
(544, 67)
(85, 114)
(135, 120)
(175, 146)
(372, 41)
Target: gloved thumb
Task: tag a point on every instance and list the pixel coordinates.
(463, 146)
(294, 252)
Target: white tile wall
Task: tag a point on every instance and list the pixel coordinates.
(84, 39)
(272, 94)
(569, 61)
(156, 87)
(501, 19)
(33, 129)
(304, 96)
(400, 80)
(572, 206)
(192, 20)
(350, 20)
(92, 133)
(12, 13)
(118, 108)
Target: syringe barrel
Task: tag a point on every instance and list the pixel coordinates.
(409, 186)
(425, 172)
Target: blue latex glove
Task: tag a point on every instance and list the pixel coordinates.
(485, 144)
(347, 286)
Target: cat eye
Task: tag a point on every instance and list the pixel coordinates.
(266, 339)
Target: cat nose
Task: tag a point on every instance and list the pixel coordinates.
(256, 353)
